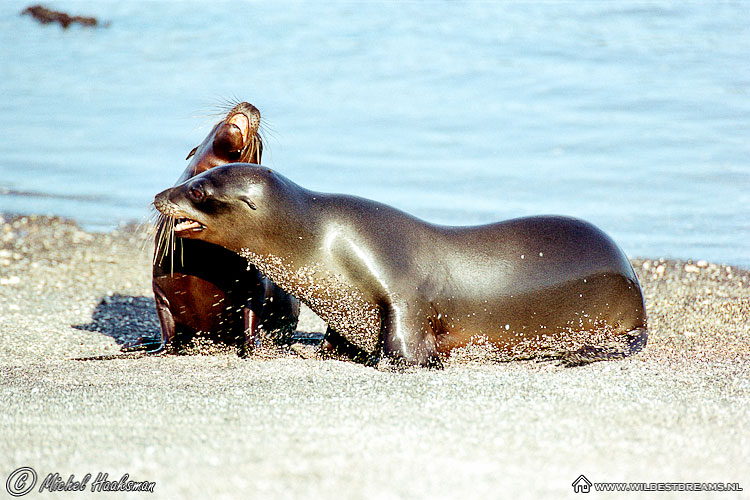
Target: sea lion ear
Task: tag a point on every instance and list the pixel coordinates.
(249, 202)
(191, 153)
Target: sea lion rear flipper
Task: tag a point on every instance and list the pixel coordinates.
(253, 313)
(166, 320)
(252, 323)
(335, 344)
(630, 343)
(149, 346)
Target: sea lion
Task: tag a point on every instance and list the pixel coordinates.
(393, 284)
(202, 287)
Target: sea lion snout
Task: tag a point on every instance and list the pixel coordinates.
(162, 203)
(242, 122)
(168, 203)
(183, 222)
(235, 138)
(234, 134)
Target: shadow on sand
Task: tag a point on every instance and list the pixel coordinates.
(124, 318)
(127, 318)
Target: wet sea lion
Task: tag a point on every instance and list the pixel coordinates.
(393, 284)
(203, 287)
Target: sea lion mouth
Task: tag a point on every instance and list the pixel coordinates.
(241, 121)
(184, 225)
(175, 220)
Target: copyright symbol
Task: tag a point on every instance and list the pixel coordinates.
(21, 481)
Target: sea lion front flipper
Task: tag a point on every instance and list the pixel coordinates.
(280, 313)
(252, 314)
(166, 320)
(408, 337)
(337, 345)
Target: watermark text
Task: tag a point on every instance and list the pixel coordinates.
(24, 480)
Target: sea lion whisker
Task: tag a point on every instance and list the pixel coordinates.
(146, 228)
(266, 130)
(145, 225)
(265, 124)
(162, 238)
(172, 246)
(225, 104)
(140, 230)
(253, 155)
(169, 236)
(265, 148)
(160, 228)
(154, 229)
(159, 241)
(165, 237)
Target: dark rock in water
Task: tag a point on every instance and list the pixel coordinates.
(46, 16)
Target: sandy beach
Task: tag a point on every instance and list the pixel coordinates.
(214, 425)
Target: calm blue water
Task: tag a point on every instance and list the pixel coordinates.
(633, 115)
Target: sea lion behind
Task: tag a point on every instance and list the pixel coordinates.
(201, 287)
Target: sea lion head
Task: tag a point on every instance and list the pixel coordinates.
(237, 206)
(234, 139)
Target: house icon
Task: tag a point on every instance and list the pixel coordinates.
(581, 485)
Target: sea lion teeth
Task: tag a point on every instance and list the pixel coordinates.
(188, 224)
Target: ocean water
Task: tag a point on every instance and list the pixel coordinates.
(632, 115)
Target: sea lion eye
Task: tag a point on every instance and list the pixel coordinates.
(249, 203)
(191, 153)
(196, 194)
